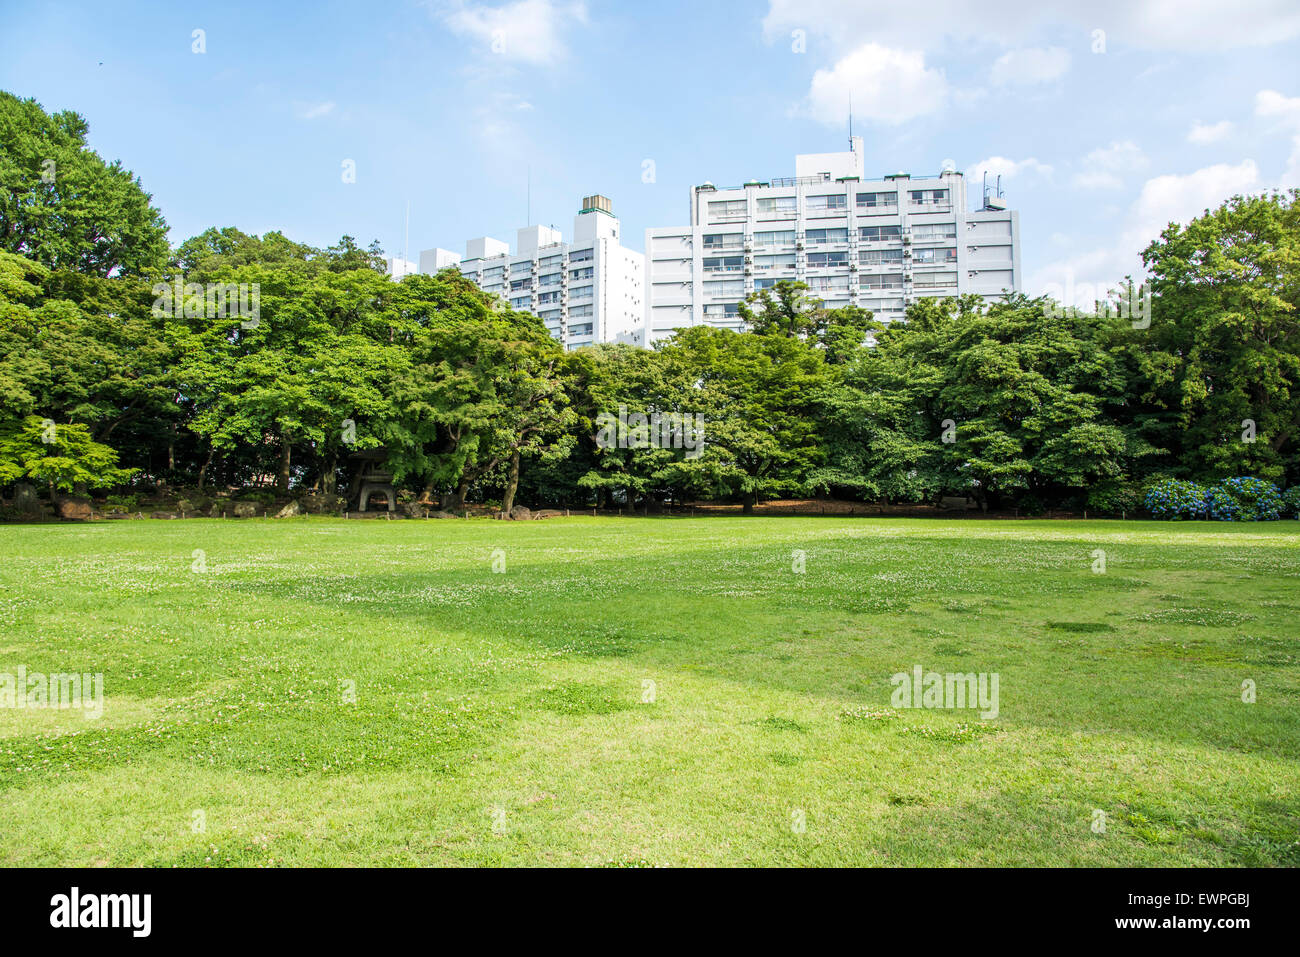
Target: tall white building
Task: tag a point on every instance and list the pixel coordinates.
(587, 291)
(878, 244)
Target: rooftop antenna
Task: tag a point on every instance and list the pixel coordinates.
(850, 120)
(528, 221)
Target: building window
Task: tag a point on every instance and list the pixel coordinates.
(784, 237)
(581, 312)
(520, 284)
(829, 201)
(523, 302)
(817, 237)
(779, 261)
(546, 297)
(931, 231)
(929, 197)
(586, 273)
(580, 256)
(936, 254)
(732, 287)
(724, 263)
(875, 257)
(828, 259)
(931, 280)
(779, 207)
(727, 210)
(879, 234)
(581, 330)
(720, 310)
(882, 281)
(582, 292)
(765, 283)
(828, 283)
(877, 200)
(724, 241)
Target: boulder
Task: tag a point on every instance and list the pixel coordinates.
(289, 511)
(26, 502)
(245, 509)
(75, 509)
(441, 514)
(323, 503)
(521, 513)
(164, 516)
(215, 511)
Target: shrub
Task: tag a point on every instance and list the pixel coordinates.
(1114, 496)
(1291, 502)
(1244, 499)
(1176, 499)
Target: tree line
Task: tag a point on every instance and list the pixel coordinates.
(234, 360)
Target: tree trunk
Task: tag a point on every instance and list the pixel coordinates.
(458, 498)
(282, 479)
(203, 469)
(512, 484)
(751, 498)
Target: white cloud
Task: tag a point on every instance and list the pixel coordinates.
(887, 86)
(1286, 110)
(1164, 199)
(526, 31)
(1188, 25)
(314, 111)
(1203, 134)
(1007, 168)
(1104, 168)
(1031, 65)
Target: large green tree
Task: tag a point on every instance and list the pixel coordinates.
(63, 206)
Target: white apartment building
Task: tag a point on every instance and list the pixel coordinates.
(877, 244)
(587, 291)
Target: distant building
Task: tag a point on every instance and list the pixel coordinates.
(586, 291)
(878, 244)
(399, 267)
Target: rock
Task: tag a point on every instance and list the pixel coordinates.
(245, 509)
(185, 505)
(323, 503)
(548, 513)
(26, 503)
(164, 516)
(442, 514)
(75, 509)
(521, 513)
(289, 511)
(215, 511)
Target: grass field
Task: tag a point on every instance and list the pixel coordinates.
(504, 717)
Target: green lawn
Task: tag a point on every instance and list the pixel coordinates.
(499, 717)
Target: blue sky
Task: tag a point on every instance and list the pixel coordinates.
(455, 105)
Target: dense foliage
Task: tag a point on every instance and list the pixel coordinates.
(236, 360)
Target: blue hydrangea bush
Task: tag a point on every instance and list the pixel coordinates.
(1241, 499)
(1176, 499)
